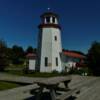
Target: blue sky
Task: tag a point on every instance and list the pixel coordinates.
(79, 19)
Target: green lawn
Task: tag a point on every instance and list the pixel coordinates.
(7, 85)
(20, 70)
(34, 74)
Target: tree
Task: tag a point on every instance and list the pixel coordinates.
(30, 49)
(18, 55)
(93, 58)
(3, 55)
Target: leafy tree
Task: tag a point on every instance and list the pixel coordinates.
(3, 55)
(18, 55)
(10, 55)
(35, 50)
(93, 58)
(30, 49)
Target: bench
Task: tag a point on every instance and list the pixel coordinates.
(67, 94)
(76, 89)
(52, 84)
(18, 93)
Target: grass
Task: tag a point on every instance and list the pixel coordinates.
(15, 66)
(7, 85)
(34, 74)
(21, 72)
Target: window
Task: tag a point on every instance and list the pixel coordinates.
(56, 61)
(55, 38)
(53, 19)
(46, 61)
(48, 19)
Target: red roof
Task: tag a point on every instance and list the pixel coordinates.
(73, 54)
(31, 55)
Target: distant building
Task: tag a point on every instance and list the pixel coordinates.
(31, 61)
(73, 60)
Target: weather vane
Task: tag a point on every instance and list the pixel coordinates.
(48, 8)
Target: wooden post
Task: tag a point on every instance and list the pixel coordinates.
(66, 83)
(53, 94)
(38, 96)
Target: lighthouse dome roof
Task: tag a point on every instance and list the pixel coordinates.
(49, 14)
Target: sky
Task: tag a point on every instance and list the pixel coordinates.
(79, 20)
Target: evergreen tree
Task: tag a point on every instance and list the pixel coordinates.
(93, 58)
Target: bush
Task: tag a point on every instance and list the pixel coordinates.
(55, 72)
(80, 71)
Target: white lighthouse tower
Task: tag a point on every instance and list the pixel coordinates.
(49, 44)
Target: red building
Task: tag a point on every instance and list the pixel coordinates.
(72, 59)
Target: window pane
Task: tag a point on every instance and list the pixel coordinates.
(48, 19)
(53, 19)
(56, 61)
(46, 61)
(55, 38)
